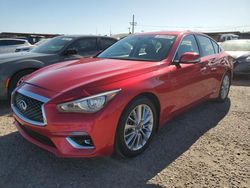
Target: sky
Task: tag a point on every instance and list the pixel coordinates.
(113, 16)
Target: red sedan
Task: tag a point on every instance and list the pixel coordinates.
(118, 100)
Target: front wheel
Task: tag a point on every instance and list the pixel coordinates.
(136, 127)
(224, 89)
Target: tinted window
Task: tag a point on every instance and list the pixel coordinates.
(105, 43)
(53, 46)
(85, 45)
(206, 45)
(188, 44)
(11, 42)
(216, 47)
(16, 42)
(141, 47)
(2, 42)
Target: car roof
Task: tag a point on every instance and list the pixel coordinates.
(170, 33)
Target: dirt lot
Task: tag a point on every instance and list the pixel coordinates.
(208, 146)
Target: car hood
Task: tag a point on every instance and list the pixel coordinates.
(87, 72)
(238, 54)
(20, 56)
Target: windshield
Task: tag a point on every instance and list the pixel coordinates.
(140, 47)
(52, 46)
(236, 45)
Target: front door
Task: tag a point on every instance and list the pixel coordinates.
(186, 84)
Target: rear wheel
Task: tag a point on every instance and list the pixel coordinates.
(16, 80)
(224, 89)
(136, 127)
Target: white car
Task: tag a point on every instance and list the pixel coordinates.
(9, 45)
(28, 48)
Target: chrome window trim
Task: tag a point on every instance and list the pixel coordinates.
(77, 146)
(34, 96)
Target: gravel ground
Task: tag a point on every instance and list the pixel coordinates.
(208, 146)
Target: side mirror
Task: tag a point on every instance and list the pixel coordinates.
(70, 51)
(189, 58)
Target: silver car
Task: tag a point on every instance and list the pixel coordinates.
(240, 51)
(9, 45)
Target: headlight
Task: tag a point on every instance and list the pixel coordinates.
(89, 104)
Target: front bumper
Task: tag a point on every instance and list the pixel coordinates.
(53, 139)
(53, 136)
(57, 144)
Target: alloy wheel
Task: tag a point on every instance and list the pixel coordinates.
(138, 127)
(225, 87)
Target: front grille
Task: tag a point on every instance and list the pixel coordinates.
(41, 138)
(28, 107)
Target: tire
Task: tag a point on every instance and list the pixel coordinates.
(224, 88)
(16, 79)
(140, 133)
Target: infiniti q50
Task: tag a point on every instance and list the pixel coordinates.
(117, 101)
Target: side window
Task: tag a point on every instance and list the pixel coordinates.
(216, 47)
(11, 42)
(20, 42)
(188, 44)
(206, 45)
(14, 42)
(85, 45)
(2, 43)
(105, 43)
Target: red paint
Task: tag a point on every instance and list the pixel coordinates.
(176, 89)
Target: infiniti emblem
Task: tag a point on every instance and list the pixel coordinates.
(22, 104)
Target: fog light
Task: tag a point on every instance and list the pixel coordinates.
(81, 142)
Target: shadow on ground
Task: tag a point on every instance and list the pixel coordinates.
(25, 165)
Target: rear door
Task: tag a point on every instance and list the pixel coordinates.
(211, 60)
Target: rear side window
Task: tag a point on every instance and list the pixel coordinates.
(11, 42)
(216, 47)
(188, 44)
(206, 45)
(105, 43)
(86, 45)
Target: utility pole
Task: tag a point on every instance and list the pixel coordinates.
(133, 24)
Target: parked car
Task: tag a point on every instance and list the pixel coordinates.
(8, 45)
(117, 101)
(225, 37)
(28, 48)
(240, 51)
(16, 65)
